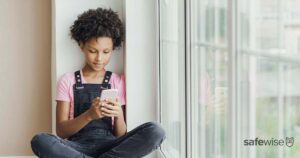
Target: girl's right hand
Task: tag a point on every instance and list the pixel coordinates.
(94, 111)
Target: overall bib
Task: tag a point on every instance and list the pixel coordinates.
(83, 96)
(98, 133)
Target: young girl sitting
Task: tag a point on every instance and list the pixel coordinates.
(87, 126)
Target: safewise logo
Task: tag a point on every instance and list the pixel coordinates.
(288, 141)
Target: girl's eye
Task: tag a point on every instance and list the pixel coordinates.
(106, 52)
(92, 51)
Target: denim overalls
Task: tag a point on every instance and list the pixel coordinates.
(96, 139)
(83, 96)
(98, 130)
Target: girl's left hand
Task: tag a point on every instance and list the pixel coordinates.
(111, 108)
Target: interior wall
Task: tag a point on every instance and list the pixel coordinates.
(25, 68)
(142, 62)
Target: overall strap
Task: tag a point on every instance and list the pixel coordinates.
(105, 82)
(78, 80)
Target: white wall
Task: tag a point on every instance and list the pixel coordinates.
(141, 62)
(66, 55)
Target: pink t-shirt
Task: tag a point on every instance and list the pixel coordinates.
(64, 91)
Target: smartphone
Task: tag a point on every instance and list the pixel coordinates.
(109, 94)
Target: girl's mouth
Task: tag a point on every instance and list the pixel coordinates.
(98, 64)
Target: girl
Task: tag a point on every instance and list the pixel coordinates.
(85, 125)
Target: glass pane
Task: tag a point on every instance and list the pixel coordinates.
(268, 76)
(291, 39)
(269, 107)
(260, 26)
(291, 107)
(172, 77)
(209, 21)
(269, 27)
(209, 79)
(210, 97)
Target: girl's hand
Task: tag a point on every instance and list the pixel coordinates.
(94, 111)
(111, 108)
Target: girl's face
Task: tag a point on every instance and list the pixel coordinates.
(97, 52)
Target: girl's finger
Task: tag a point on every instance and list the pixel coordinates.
(108, 106)
(94, 101)
(112, 101)
(107, 114)
(97, 99)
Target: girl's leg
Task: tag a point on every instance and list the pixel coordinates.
(137, 143)
(46, 145)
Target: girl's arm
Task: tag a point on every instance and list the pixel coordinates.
(120, 125)
(66, 128)
(111, 108)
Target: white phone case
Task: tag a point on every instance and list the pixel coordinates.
(109, 94)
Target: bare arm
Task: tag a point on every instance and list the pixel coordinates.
(120, 124)
(66, 128)
(111, 108)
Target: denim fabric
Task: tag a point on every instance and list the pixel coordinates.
(83, 96)
(101, 143)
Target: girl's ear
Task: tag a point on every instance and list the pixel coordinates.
(81, 45)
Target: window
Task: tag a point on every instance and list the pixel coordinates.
(172, 76)
(242, 69)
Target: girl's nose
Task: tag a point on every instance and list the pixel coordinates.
(99, 56)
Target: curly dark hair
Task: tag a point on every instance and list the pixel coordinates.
(96, 23)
